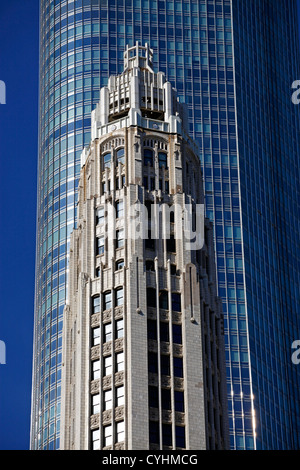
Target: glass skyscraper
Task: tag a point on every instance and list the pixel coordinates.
(233, 63)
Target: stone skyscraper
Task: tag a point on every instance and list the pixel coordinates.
(143, 344)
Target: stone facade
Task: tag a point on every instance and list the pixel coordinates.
(143, 346)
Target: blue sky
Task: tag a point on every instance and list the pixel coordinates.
(19, 37)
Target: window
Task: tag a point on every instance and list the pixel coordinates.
(100, 246)
(152, 363)
(96, 439)
(150, 242)
(148, 157)
(107, 400)
(167, 434)
(119, 209)
(120, 156)
(176, 302)
(96, 304)
(96, 404)
(105, 188)
(164, 332)
(165, 365)
(149, 265)
(178, 367)
(119, 329)
(120, 182)
(120, 431)
(153, 397)
(119, 297)
(107, 435)
(162, 160)
(177, 333)
(151, 297)
(152, 329)
(120, 396)
(179, 401)
(119, 362)
(98, 272)
(119, 264)
(100, 216)
(166, 398)
(96, 336)
(107, 300)
(163, 299)
(107, 160)
(120, 238)
(171, 244)
(173, 269)
(153, 432)
(96, 370)
(107, 365)
(180, 436)
(146, 182)
(107, 333)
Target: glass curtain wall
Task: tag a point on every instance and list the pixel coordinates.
(82, 44)
(266, 64)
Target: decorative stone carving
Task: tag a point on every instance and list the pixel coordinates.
(107, 448)
(107, 348)
(106, 382)
(167, 416)
(119, 413)
(177, 349)
(95, 353)
(164, 315)
(177, 317)
(106, 416)
(95, 385)
(120, 446)
(119, 344)
(119, 378)
(165, 381)
(153, 414)
(94, 421)
(164, 348)
(179, 417)
(119, 311)
(178, 383)
(95, 320)
(106, 316)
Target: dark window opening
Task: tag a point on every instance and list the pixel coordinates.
(151, 297)
(153, 397)
(164, 332)
(165, 364)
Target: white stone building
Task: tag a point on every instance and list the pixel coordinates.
(143, 347)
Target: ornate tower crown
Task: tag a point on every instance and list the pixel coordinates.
(138, 97)
(138, 56)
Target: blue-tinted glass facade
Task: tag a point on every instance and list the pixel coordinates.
(206, 48)
(266, 52)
